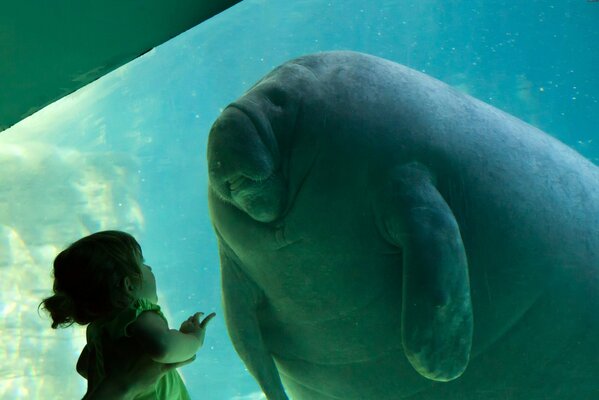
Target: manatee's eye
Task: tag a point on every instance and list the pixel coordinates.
(278, 97)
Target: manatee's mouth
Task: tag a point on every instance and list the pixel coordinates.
(262, 200)
(236, 183)
(243, 182)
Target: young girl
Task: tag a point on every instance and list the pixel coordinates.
(101, 280)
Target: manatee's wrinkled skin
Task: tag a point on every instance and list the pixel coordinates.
(383, 236)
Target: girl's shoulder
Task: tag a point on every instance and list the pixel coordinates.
(127, 321)
(145, 317)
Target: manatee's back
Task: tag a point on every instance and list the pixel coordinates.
(492, 168)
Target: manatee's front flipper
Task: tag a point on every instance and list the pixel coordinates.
(241, 298)
(436, 310)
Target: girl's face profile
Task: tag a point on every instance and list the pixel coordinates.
(147, 288)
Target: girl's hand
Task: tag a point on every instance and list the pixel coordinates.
(193, 326)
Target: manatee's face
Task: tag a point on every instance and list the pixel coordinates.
(244, 164)
(246, 143)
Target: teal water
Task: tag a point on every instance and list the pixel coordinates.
(128, 151)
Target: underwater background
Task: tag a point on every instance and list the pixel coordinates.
(128, 151)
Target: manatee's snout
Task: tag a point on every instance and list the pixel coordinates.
(242, 169)
(236, 150)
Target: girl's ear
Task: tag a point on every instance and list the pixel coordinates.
(128, 285)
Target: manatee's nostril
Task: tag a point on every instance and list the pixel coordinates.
(214, 167)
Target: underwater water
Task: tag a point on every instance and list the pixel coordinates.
(128, 151)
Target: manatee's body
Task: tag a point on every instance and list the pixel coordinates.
(383, 236)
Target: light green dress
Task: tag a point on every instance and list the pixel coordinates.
(170, 386)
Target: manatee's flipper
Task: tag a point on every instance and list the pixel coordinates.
(436, 310)
(241, 298)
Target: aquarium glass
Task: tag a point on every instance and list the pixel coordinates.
(128, 151)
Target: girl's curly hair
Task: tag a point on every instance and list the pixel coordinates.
(88, 278)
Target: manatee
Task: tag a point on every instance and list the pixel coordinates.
(383, 236)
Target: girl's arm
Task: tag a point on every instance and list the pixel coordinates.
(162, 344)
(130, 378)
